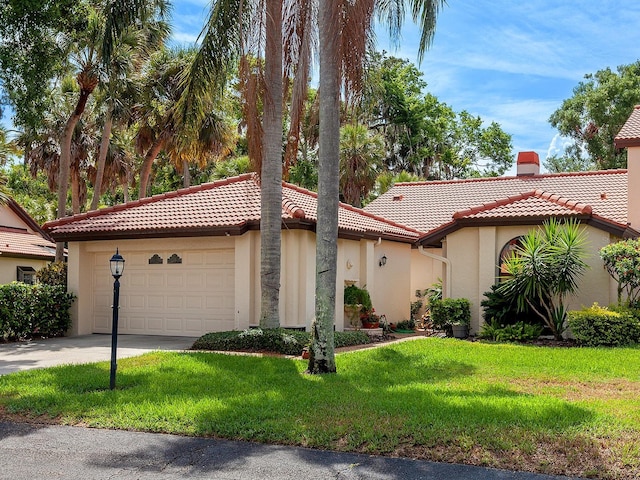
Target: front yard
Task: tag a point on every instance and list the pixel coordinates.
(573, 411)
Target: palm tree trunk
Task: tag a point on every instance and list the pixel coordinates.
(186, 175)
(65, 162)
(75, 191)
(145, 169)
(321, 353)
(102, 160)
(271, 172)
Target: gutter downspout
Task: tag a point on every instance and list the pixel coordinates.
(447, 262)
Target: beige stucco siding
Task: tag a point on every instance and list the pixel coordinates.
(474, 252)
(8, 218)
(633, 191)
(392, 281)
(9, 267)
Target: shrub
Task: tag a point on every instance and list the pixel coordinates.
(276, 340)
(503, 309)
(34, 310)
(450, 311)
(355, 295)
(600, 326)
(518, 332)
(622, 261)
(53, 274)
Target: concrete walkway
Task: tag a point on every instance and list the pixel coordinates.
(83, 349)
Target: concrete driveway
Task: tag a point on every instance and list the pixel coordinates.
(82, 349)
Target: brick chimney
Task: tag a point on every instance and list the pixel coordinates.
(528, 164)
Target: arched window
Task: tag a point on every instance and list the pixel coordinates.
(505, 253)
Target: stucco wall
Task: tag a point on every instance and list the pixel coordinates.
(390, 293)
(425, 271)
(633, 192)
(474, 252)
(8, 267)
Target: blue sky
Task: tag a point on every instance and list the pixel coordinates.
(508, 61)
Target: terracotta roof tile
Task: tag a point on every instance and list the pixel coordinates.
(531, 204)
(231, 203)
(629, 134)
(429, 206)
(22, 243)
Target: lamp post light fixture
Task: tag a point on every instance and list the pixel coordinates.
(117, 268)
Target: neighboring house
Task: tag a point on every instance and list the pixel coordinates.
(24, 246)
(193, 256)
(192, 260)
(469, 225)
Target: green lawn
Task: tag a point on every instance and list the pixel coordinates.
(553, 410)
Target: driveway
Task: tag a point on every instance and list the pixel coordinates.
(82, 349)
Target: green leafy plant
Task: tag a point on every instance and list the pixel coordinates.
(600, 326)
(39, 310)
(544, 268)
(503, 309)
(622, 261)
(450, 311)
(518, 332)
(53, 274)
(357, 296)
(430, 295)
(276, 340)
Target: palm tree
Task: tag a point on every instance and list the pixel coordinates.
(160, 130)
(347, 41)
(361, 155)
(119, 89)
(88, 56)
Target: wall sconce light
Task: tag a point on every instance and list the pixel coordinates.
(383, 261)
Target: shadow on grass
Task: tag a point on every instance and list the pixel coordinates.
(380, 399)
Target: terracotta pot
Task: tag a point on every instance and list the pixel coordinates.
(366, 324)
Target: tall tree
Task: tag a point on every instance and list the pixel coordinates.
(595, 113)
(345, 28)
(361, 154)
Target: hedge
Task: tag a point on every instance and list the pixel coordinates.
(28, 311)
(276, 340)
(599, 326)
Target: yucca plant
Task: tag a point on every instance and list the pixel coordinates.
(545, 268)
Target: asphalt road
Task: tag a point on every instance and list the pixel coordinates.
(59, 452)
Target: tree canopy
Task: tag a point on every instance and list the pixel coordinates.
(593, 116)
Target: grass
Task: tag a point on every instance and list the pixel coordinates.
(550, 410)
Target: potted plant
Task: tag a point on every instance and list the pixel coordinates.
(356, 300)
(452, 315)
(369, 318)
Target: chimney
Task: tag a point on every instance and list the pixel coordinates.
(528, 164)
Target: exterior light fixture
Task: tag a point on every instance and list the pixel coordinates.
(383, 261)
(117, 268)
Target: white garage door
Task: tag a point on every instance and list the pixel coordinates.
(190, 293)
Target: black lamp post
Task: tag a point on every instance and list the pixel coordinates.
(117, 267)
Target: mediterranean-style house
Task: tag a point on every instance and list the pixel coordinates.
(193, 256)
(24, 246)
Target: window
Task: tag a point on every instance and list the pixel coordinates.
(27, 275)
(505, 253)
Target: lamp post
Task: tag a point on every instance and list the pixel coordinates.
(117, 267)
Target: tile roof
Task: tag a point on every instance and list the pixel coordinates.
(229, 206)
(530, 204)
(16, 242)
(629, 135)
(431, 206)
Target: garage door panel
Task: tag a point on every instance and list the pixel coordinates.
(191, 298)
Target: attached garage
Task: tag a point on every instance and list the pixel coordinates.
(171, 292)
(192, 260)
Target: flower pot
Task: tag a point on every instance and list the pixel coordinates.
(352, 314)
(366, 324)
(460, 331)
